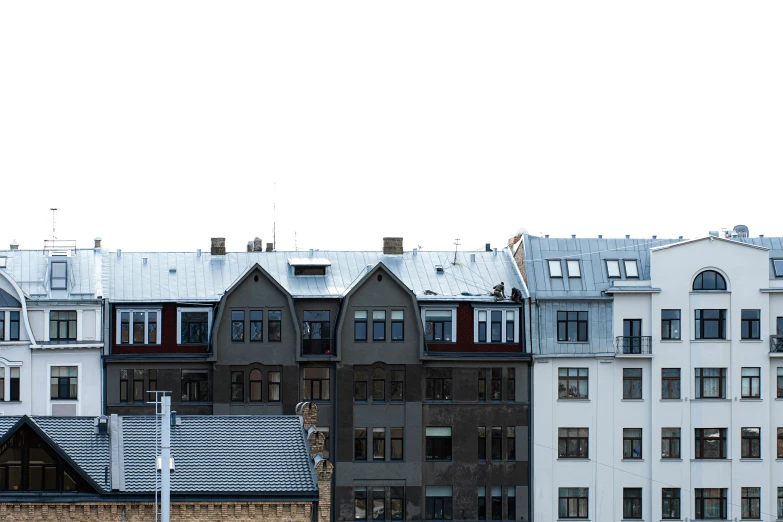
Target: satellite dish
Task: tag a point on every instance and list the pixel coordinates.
(742, 231)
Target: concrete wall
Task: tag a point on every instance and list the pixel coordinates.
(88, 361)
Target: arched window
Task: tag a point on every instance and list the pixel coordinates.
(255, 385)
(709, 280)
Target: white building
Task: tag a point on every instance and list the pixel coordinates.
(51, 343)
(657, 384)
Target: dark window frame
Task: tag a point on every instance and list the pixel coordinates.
(577, 439)
(701, 440)
(360, 385)
(559, 265)
(667, 324)
(750, 503)
(578, 273)
(777, 274)
(308, 385)
(379, 338)
(632, 503)
(482, 443)
(124, 385)
(397, 435)
(750, 443)
(397, 385)
(564, 383)
(190, 327)
(579, 320)
(700, 501)
(256, 385)
(194, 393)
(360, 444)
(433, 384)
(256, 325)
(61, 281)
(13, 325)
(432, 326)
(626, 262)
(378, 385)
(482, 325)
(70, 317)
(438, 448)
(482, 385)
(780, 443)
(237, 335)
(629, 384)
(699, 381)
(274, 388)
(703, 323)
(750, 380)
(671, 504)
(608, 272)
(671, 445)
(275, 320)
(496, 319)
(237, 386)
(668, 391)
(632, 439)
(379, 444)
(573, 499)
(496, 443)
(441, 504)
(511, 385)
(717, 281)
(397, 323)
(751, 324)
(63, 384)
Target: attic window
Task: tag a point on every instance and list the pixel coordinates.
(555, 270)
(309, 266)
(3, 262)
(631, 268)
(59, 273)
(573, 268)
(613, 268)
(777, 264)
(309, 270)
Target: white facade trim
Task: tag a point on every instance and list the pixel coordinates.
(503, 310)
(80, 388)
(451, 308)
(193, 309)
(146, 311)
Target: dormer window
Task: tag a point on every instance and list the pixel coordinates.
(777, 264)
(573, 268)
(613, 268)
(555, 270)
(631, 269)
(709, 280)
(309, 266)
(59, 273)
(309, 270)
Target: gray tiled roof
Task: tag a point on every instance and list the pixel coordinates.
(30, 270)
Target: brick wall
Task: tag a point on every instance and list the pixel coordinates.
(168, 335)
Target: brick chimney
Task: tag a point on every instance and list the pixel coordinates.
(218, 246)
(258, 245)
(392, 245)
(270, 247)
(97, 242)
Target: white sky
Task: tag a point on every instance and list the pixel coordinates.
(157, 125)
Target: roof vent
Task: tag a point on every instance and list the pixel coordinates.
(415, 251)
(172, 268)
(546, 236)
(311, 252)
(680, 237)
(102, 425)
(714, 233)
(218, 247)
(144, 260)
(97, 242)
(249, 246)
(742, 231)
(198, 252)
(627, 236)
(119, 252)
(600, 236)
(495, 250)
(655, 237)
(472, 258)
(439, 269)
(761, 235)
(392, 246)
(573, 236)
(14, 245)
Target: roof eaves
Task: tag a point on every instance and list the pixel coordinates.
(711, 238)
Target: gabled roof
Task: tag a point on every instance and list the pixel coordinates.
(30, 269)
(711, 238)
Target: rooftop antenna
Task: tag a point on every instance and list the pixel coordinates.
(296, 246)
(53, 236)
(274, 216)
(456, 246)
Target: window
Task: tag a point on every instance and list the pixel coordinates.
(670, 443)
(496, 510)
(780, 502)
(397, 501)
(481, 492)
(780, 443)
(709, 280)
(437, 325)
(751, 383)
(256, 385)
(152, 383)
(632, 383)
(496, 323)
(13, 332)
(379, 443)
(572, 443)
(632, 443)
(670, 503)
(124, 385)
(710, 443)
(438, 385)
(316, 384)
(194, 327)
(275, 319)
(670, 325)
(555, 268)
(316, 334)
(438, 443)
(62, 326)
(631, 269)
(632, 336)
(59, 275)
(572, 383)
(482, 443)
(379, 325)
(274, 386)
(511, 386)
(632, 503)
(2, 384)
(379, 503)
(138, 326)
(710, 383)
(573, 268)
(572, 327)
(496, 383)
(496, 443)
(511, 503)
(237, 325)
(125, 327)
(360, 503)
(64, 382)
(360, 385)
(397, 443)
(777, 264)
(256, 326)
(378, 385)
(437, 505)
(751, 324)
(751, 443)
(710, 503)
(612, 268)
(780, 383)
(511, 443)
(360, 444)
(482, 384)
(397, 385)
(751, 503)
(2, 325)
(360, 325)
(14, 384)
(138, 385)
(397, 325)
(510, 330)
(710, 324)
(482, 326)
(237, 386)
(195, 385)
(572, 503)
(670, 383)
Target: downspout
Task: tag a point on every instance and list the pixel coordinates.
(334, 418)
(107, 337)
(530, 457)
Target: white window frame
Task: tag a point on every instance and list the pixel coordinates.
(193, 309)
(626, 263)
(617, 264)
(79, 381)
(146, 325)
(578, 268)
(52, 278)
(7, 365)
(453, 310)
(489, 323)
(556, 263)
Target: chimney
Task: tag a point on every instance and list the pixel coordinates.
(14, 245)
(270, 247)
(392, 245)
(487, 248)
(655, 237)
(309, 413)
(573, 236)
(97, 242)
(600, 236)
(249, 246)
(218, 246)
(258, 245)
(627, 236)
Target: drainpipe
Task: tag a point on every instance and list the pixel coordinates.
(165, 458)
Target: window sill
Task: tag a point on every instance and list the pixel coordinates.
(573, 342)
(574, 459)
(751, 341)
(442, 460)
(633, 460)
(666, 459)
(632, 400)
(752, 399)
(671, 340)
(671, 400)
(710, 400)
(710, 340)
(710, 460)
(583, 400)
(10, 402)
(749, 459)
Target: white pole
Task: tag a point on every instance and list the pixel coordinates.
(165, 454)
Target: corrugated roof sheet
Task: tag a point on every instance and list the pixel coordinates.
(30, 270)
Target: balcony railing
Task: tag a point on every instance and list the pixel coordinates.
(637, 345)
(776, 344)
(317, 347)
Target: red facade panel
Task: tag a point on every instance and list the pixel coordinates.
(168, 335)
(465, 342)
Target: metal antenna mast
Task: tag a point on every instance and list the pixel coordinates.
(456, 246)
(53, 236)
(274, 216)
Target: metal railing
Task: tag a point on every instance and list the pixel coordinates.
(317, 347)
(776, 344)
(636, 345)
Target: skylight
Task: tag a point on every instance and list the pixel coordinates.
(631, 268)
(613, 267)
(573, 268)
(776, 263)
(555, 270)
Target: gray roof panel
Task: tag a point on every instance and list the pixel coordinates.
(30, 270)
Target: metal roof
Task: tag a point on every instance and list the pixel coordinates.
(30, 269)
(308, 261)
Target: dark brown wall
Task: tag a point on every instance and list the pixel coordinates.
(168, 334)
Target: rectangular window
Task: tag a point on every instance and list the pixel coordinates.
(780, 443)
(13, 332)
(511, 387)
(632, 443)
(751, 324)
(631, 269)
(62, 326)
(751, 503)
(14, 391)
(360, 385)
(670, 503)
(378, 385)
(572, 383)
(438, 443)
(397, 325)
(780, 501)
(194, 327)
(360, 444)
(612, 268)
(152, 328)
(397, 386)
(482, 326)
(572, 443)
(275, 320)
(138, 385)
(511, 502)
(780, 383)
(496, 509)
(237, 325)
(670, 383)
(397, 501)
(632, 503)
(379, 443)
(555, 268)
(438, 387)
(59, 275)
(572, 327)
(195, 385)
(710, 383)
(710, 503)
(316, 332)
(496, 324)
(256, 385)
(751, 443)
(379, 325)
(237, 386)
(437, 504)
(2, 384)
(496, 382)
(482, 443)
(2, 325)
(152, 383)
(670, 325)
(482, 384)
(778, 266)
(256, 326)
(64, 382)
(360, 503)
(572, 502)
(397, 447)
(573, 268)
(632, 383)
(274, 386)
(510, 328)
(670, 443)
(138, 327)
(710, 443)
(496, 443)
(315, 384)
(710, 324)
(437, 325)
(751, 383)
(481, 492)
(124, 383)
(124, 327)
(379, 503)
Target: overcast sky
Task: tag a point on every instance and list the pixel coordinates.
(157, 125)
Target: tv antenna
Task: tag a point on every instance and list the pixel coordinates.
(53, 211)
(274, 216)
(456, 246)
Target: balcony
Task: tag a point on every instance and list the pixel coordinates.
(776, 345)
(637, 345)
(318, 347)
